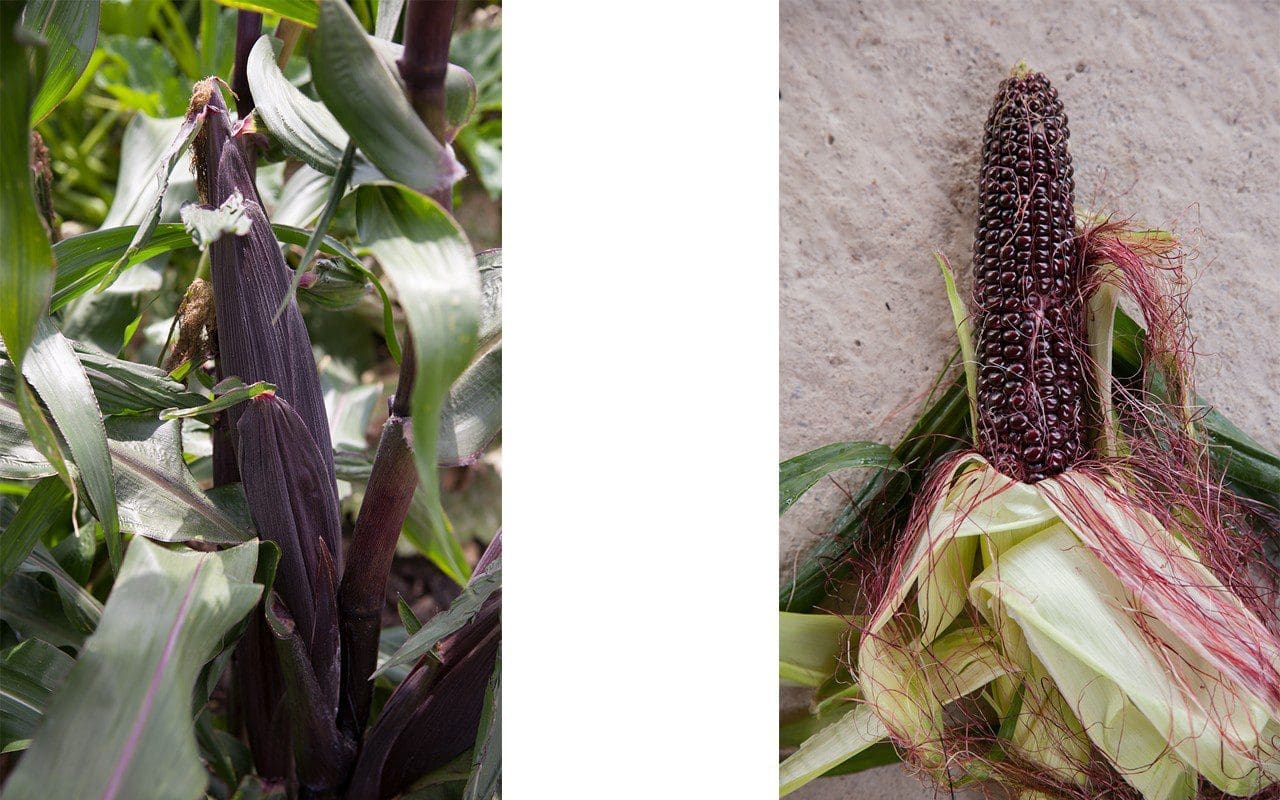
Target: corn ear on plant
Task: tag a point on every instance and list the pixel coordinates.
(1083, 601)
(202, 507)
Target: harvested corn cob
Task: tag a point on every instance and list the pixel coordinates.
(1026, 292)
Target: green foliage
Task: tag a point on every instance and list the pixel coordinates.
(104, 452)
(142, 76)
(124, 708)
(431, 264)
(356, 85)
(71, 29)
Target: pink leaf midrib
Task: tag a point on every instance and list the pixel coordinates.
(148, 700)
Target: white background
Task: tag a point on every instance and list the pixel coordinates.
(640, 400)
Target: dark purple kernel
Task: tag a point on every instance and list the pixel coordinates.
(1026, 275)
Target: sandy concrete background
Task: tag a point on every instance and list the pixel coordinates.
(1174, 111)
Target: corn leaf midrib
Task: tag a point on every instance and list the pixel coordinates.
(189, 497)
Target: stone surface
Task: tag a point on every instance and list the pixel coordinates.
(1175, 119)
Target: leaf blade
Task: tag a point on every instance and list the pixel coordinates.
(27, 265)
(47, 501)
(56, 375)
(72, 31)
(798, 474)
(364, 96)
(135, 738)
(460, 612)
(429, 260)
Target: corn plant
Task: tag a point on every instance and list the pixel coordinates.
(1066, 575)
(202, 506)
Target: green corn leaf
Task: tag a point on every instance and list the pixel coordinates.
(121, 387)
(472, 413)
(336, 190)
(479, 51)
(142, 74)
(226, 394)
(228, 757)
(428, 259)
(809, 646)
(435, 542)
(82, 608)
(84, 259)
(886, 496)
(964, 332)
(55, 374)
(877, 755)
(389, 641)
(459, 86)
(46, 503)
(77, 550)
(142, 153)
(797, 475)
(305, 127)
(853, 733)
(37, 612)
(158, 497)
(29, 447)
(26, 268)
(158, 186)
(961, 662)
(302, 197)
(303, 11)
(71, 29)
(464, 607)
(389, 13)
(29, 673)
(407, 617)
(125, 707)
(490, 263)
(364, 96)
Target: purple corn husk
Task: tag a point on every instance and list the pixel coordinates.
(250, 279)
(322, 754)
(287, 491)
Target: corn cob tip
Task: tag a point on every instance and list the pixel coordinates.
(1020, 70)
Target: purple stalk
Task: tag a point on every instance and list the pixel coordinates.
(428, 27)
(248, 29)
(427, 32)
(361, 596)
(434, 715)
